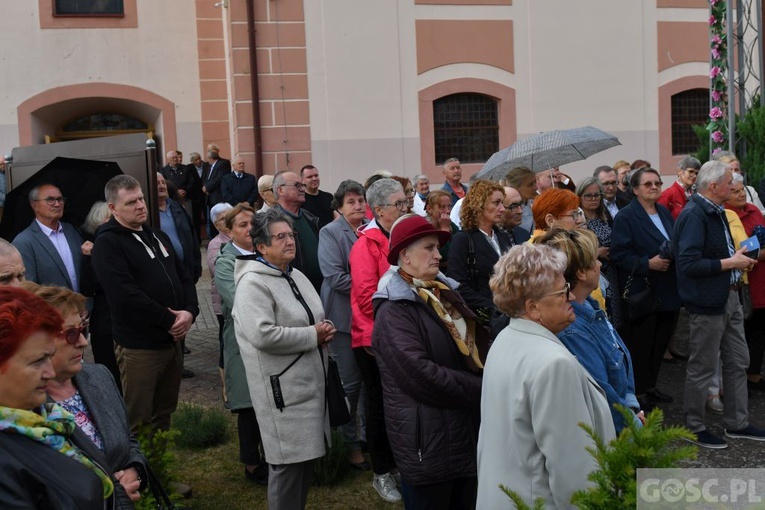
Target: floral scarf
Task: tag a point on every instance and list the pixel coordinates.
(430, 292)
(53, 427)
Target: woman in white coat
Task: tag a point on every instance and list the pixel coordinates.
(535, 393)
(282, 334)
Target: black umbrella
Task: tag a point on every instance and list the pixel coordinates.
(81, 181)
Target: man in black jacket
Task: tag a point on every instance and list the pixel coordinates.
(211, 182)
(239, 186)
(153, 304)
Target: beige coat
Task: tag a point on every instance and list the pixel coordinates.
(534, 395)
(272, 328)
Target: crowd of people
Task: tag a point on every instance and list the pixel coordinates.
(473, 327)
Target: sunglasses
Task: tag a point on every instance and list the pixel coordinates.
(72, 335)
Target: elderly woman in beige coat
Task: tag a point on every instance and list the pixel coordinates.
(282, 336)
(535, 392)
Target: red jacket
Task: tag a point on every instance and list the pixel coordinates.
(368, 261)
(673, 198)
(751, 217)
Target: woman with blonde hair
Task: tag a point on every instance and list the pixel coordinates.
(477, 247)
(734, 164)
(535, 393)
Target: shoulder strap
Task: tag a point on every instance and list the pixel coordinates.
(299, 296)
(471, 259)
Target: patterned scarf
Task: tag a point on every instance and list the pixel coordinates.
(430, 292)
(53, 427)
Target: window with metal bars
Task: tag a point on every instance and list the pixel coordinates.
(689, 108)
(466, 127)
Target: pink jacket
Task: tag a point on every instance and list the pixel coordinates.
(368, 261)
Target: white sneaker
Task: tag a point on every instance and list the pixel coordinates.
(714, 405)
(385, 486)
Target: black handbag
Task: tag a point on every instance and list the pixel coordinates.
(746, 300)
(161, 497)
(338, 404)
(639, 303)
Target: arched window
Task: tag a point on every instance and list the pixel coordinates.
(689, 108)
(466, 126)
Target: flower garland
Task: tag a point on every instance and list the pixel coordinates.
(718, 122)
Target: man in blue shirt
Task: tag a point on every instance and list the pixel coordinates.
(452, 176)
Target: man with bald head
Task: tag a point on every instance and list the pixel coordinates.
(11, 265)
(513, 216)
(290, 196)
(51, 249)
(239, 186)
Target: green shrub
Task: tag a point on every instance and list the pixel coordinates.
(200, 427)
(157, 446)
(333, 467)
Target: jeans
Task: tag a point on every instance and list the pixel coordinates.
(340, 350)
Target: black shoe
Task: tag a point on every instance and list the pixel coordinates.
(186, 350)
(706, 439)
(187, 374)
(659, 397)
(259, 475)
(748, 432)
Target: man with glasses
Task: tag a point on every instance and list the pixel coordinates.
(676, 196)
(606, 176)
(513, 217)
(51, 249)
(290, 197)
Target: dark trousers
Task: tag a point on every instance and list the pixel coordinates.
(377, 435)
(647, 339)
(459, 494)
(249, 437)
(220, 339)
(754, 328)
(103, 354)
(198, 216)
(288, 485)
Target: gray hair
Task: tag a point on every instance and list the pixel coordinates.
(689, 162)
(219, 209)
(34, 193)
(380, 191)
(420, 177)
(279, 180)
(450, 160)
(97, 216)
(587, 182)
(737, 177)
(711, 172)
(723, 154)
(261, 225)
(117, 183)
(193, 155)
(347, 186)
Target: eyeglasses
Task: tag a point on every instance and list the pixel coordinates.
(284, 235)
(52, 200)
(575, 215)
(566, 290)
(652, 184)
(514, 205)
(401, 205)
(592, 196)
(609, 183)
(298, 185)
(72, 335)
(692, 171)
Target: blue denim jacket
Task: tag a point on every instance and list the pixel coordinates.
(599, 349)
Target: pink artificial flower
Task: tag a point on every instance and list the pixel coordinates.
(716, 95)
(714, 71)
(716, 151)
(715, 113)
(715, 54)
(712, 20)
(718, 137)
(713, 1)
(716, 39)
